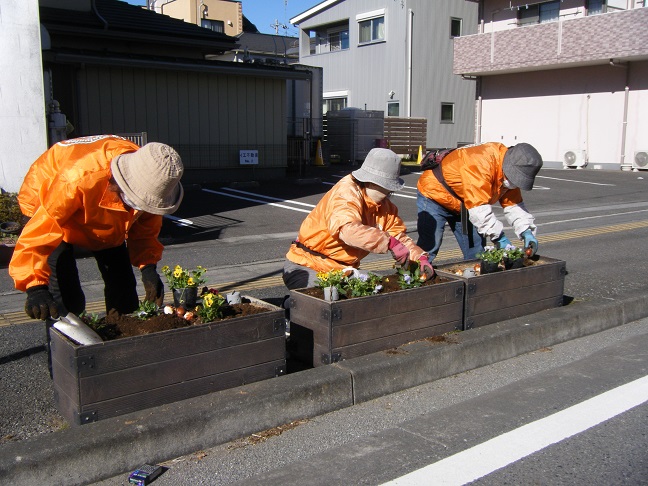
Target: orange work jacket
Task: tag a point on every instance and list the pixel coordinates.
(66, 194)
(369, 225)
(475, 174)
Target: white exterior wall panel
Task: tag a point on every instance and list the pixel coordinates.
(582, 111)
(22, 102)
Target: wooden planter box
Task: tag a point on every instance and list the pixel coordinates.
(499, 296)
(348, 328)
(104, 380)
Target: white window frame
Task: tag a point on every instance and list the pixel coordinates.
(460, 20)
(450, 104)
(334, 95)
(370, 17)
(395, 103)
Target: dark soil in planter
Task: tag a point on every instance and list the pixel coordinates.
(389, 283)
(116, 325)
(460, 267)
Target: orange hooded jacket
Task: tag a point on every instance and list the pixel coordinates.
(475, 174)
(66, 194)
(345, 226)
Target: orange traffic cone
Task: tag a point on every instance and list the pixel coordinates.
(319, 160)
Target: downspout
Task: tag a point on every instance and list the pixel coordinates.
(103, 21)
(624, 126)
(479, 111)
(408, 85)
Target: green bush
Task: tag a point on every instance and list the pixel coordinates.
(9, 209)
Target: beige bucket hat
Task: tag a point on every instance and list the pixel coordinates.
(382, 167)
(150, 177)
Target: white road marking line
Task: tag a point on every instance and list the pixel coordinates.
(591, 217)
(179, 221)
(256, 200)
(571, 180)
(269, 197)
(484, 458)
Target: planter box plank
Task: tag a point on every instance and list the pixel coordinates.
(353, 327)
(124, 375)
(393, 324)
(525, 295)
(181, 391)
(128, 353)
(394, 340)
(521, 310)
(499, 296)
(158, 374)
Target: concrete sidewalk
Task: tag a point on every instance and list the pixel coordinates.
(106, 448)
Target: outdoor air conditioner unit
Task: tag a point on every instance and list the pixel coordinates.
(640, 160)
(574, 159)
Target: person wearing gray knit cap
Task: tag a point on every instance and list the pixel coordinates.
(461, 190)
(103, 194)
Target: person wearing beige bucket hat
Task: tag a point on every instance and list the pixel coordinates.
(354, 218)
(103, 194)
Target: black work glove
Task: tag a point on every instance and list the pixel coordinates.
(40, 303)
(153, 286)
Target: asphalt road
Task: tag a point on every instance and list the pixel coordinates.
(597, 221)
(461, 420)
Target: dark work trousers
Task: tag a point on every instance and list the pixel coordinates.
(120, 290)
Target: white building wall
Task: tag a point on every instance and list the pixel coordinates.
(569, 109)
(23, 130)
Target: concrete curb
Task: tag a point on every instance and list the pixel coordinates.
(104, 449)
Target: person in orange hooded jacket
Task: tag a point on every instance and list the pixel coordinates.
(354, 218)
(103, 194)
(479, 176)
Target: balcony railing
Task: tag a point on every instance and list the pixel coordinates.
(620, 36)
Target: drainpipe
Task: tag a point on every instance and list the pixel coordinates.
(408, 86)
(624, 128)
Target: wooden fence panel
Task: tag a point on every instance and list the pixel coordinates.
(406, 135)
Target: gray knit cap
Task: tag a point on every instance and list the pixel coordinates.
(382, 167)
(521, 164)
(150, 177)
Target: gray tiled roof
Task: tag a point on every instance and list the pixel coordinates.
(122, 18)
(268, 44)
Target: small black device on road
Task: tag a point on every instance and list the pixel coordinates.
(144, 474)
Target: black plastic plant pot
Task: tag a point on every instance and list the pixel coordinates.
(488, 267)
(10, 228)
(510, 264)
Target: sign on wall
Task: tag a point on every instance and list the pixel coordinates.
(249, 157)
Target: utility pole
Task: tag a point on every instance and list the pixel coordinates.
(276, 26)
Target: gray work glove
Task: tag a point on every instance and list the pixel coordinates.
(153, 286)
(40, 304)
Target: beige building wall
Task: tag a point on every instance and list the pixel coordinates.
(193, 11)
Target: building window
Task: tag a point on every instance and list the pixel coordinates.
(447, 112)
(455, 27)
(334, 104)
(329, 38)
(338, 40)
(393, 108)
(215, 25)
(596, 7)
(371, 30)
(539, 13)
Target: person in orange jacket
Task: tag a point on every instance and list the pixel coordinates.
(103, 194)
(479, 176)
(354, 218)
